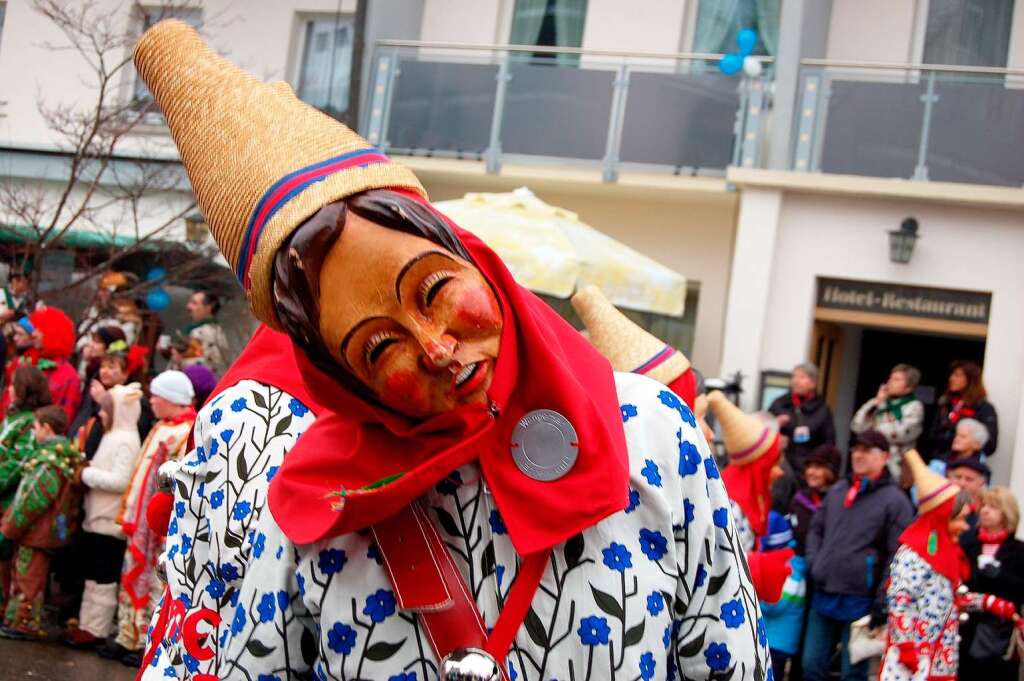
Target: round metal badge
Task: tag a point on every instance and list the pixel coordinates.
(544, 445)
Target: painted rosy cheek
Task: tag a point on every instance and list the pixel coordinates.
(404, 387)
(477, 308)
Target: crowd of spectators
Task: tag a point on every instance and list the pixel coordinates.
(88, 420)
(847, 520)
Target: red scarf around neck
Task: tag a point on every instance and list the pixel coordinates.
(997, 537)
(928, 536)
(543, 363)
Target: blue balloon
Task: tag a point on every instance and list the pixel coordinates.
(747, 41)
(156, 273)
(730, 64)
(158, 299)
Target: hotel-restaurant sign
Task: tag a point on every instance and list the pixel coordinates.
(906, 301)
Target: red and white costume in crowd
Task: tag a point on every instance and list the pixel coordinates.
(922, 642)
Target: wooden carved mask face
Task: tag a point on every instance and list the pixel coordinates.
(416, 324)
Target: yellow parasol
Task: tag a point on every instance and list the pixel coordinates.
(549, 251)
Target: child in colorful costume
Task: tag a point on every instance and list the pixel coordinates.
(449, 402)
(40, 518)
(53, 335)
(922, 642)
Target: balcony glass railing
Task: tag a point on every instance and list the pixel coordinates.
(941, 123)
(675, 112)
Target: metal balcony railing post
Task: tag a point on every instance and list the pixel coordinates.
(380, 103)
(754, 110)
(738, 121)
(928, 98)
(806, 128)
(616, 121)
(492, 156)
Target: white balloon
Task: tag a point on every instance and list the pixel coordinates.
(751, 67)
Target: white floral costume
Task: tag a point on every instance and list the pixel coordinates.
(657, 591)
(922, 611)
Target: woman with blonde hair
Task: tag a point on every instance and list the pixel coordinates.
(996, 560)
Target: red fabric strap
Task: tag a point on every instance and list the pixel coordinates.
(426, 580)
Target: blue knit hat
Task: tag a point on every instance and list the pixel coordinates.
(779, 534)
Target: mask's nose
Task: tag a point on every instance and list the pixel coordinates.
(438, 351)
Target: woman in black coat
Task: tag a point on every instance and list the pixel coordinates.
(997, 567)
(964, 398)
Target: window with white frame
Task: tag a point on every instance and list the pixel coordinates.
(149, 16)
(325, 72)
(968, 32)
(558, 23)
(720, 21)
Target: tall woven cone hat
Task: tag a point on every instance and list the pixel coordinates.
(628, 347)
(260, 161)
(933, 490)
(746, 437)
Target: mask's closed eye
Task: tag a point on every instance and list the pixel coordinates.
(377, 344)
(432, 285)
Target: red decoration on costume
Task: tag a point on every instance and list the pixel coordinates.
(686, 387)
(750, 486)
(158, 515)
(768, 572)
(137, 355)
(193, 640)
(948, 560)
(908, 656)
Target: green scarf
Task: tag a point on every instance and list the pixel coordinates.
(895, 406)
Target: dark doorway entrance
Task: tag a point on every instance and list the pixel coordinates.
(931, 354)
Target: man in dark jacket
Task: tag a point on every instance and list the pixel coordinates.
(853, 536)
(805, 423)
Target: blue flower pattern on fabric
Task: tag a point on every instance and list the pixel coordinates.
(651, 612)
(215, 419)
(297, 408)
(653, 543)
(594, 631)
(647, 666)
(689, 457)
(617, 557)
(341, 638)
(732, 613)
(651, 473)
(380, 605)
(718, 657)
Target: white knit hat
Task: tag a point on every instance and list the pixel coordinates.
(173, 386)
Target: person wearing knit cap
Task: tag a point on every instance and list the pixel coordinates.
(853, 536)
(413, 442)
(921, 637)
(203, 382)
(821, 471)
(171, 396)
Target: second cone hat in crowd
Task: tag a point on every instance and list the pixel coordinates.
(746, 437)
(260, 161)
(628, 347)
(933, 490)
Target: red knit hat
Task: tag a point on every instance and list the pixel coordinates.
(57, 330)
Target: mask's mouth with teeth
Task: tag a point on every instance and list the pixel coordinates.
(469, 378)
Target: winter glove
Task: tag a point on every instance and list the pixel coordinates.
(1000, 607)
(6, 548)
(909, 657)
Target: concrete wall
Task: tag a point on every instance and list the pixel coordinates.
(872, 30)
(689, 232)
(959, 248)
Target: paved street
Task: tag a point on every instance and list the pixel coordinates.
(52, 661)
